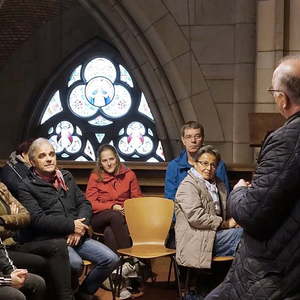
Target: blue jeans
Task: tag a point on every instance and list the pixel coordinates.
(104, 262)
(226, 241)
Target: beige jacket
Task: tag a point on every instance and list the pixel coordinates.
(13, 221)
(196, 221)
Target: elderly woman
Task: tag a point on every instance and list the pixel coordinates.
(110, 184)
(203, 228)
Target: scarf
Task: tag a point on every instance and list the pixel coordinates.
(56, 179)
(212, 189)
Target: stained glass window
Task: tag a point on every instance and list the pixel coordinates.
(95, 101)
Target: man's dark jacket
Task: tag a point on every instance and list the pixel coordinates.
(52, 211)
(267, 265)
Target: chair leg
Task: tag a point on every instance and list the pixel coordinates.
(117, 287)
(187, 281)
(170, 270)
(177, 277)
(113, 291)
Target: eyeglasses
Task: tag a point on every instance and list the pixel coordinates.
(193, 137)
(272, 91)
(206, 164)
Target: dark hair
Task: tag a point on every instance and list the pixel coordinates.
(192, 125)
(99, 169)
(208, 149)
(24, 146)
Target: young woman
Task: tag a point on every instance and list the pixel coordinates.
(109, 185)
(203, 225)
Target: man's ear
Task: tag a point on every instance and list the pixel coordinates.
(286, 102)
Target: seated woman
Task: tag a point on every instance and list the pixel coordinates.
(203, 228)
(109, 185)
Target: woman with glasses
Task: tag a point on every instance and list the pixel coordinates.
(203, 227)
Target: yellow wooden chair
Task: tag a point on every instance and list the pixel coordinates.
(148, 220)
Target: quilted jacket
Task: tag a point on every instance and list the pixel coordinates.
(267, 265)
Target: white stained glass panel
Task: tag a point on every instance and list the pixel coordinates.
(89, 151)
(152, 159)
(65, 155)
(57, 147)
(51, 129)
(81, 158)
(99, 91)
(125, 76)
(100, 67)
(120, 104)
(54, 107)
(75, 145)
(78, 103)
(74, 76)
(121, 132)
(144, 107)
(160, 151)
(99, 137)
(100, 121)
(78, 130)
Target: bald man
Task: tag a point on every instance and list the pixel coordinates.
(267, 264)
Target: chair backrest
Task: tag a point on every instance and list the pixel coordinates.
(149, 219)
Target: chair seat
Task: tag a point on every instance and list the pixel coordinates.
(147, 251)
(222, 258)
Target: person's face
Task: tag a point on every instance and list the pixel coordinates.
(44, 159)
(192, 139)
(206, 165)
(108, 161)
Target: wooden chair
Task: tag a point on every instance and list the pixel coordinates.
(148, 220)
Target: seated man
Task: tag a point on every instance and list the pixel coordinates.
(48, 258)
(58, 209)
(18, 284)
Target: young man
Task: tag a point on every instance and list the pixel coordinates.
(18, 284)
(192, 137)
(267, 265)
(59, 209)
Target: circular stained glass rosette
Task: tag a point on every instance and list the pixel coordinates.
(99, 91)
(79, 104)
(120, 104)
(100, 67)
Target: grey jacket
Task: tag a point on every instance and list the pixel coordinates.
(196, 221)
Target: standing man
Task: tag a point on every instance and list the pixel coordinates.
(267, 265)
(192, 137)
(58, 209)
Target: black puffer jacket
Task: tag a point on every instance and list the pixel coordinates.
(267, 265)
(52, 211)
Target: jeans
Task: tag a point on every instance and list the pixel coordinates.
(34, 289)
(226, 241)
(104, 262)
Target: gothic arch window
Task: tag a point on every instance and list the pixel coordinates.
(95, 100)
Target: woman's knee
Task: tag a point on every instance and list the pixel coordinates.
(10, 293)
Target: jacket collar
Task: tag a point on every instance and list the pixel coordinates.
(292, 118)
(182, 160)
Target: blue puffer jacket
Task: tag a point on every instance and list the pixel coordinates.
(267, 265)
(177, 171)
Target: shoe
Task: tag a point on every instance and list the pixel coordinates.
(124, 294)
(105, 285)
(128, 271)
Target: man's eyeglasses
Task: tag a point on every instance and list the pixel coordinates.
(272, 91)
(193, 137)
(206, 164)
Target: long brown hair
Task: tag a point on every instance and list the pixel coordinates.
(99, 169)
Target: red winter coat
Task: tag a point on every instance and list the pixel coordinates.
(113, 189)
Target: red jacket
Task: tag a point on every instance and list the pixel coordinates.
(113, 189)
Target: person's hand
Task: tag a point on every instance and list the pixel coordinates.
(232, 223)
(80, 227)
(73, 239)
(119, 208)
(18, 277)
(14, 208)
(242, 182)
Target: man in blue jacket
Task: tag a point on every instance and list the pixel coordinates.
(192, 137)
